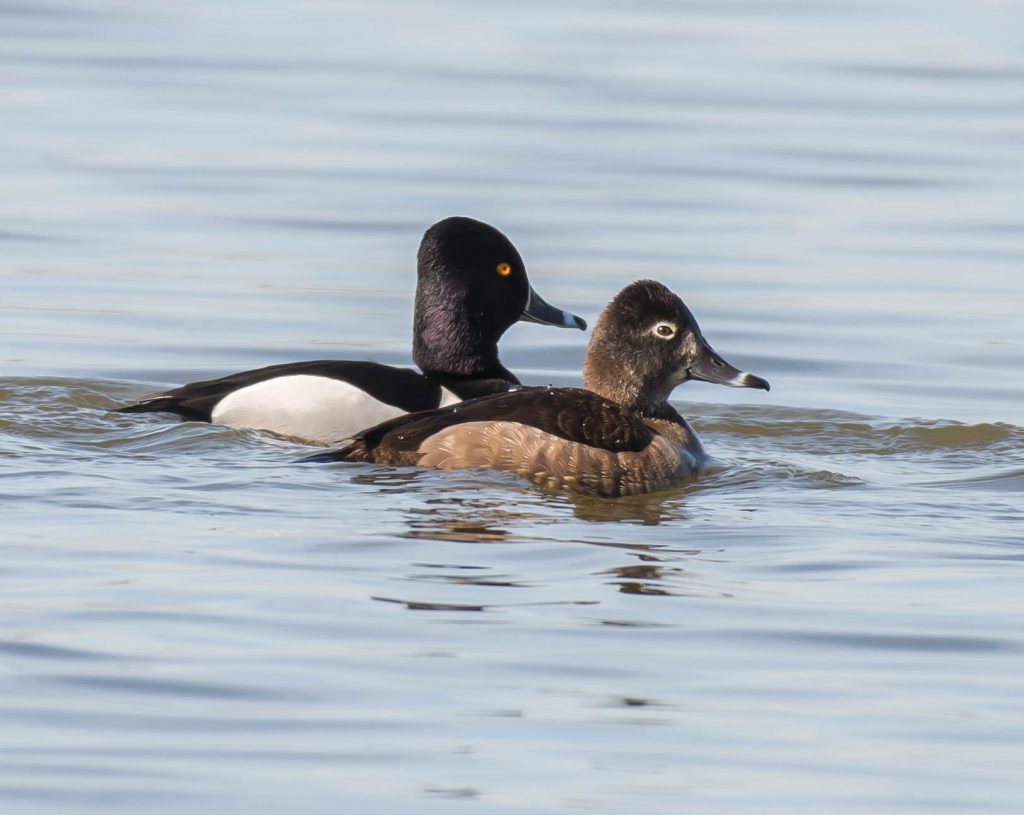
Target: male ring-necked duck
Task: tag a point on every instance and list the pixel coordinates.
(618, 437)
(471, 287)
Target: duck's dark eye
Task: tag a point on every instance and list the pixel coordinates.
(665, 330)
(504, 269)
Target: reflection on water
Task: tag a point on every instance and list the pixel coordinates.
(643, 579)
(828, 620)
(455, 530)
(482, 519)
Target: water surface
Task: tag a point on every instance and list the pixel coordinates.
(828, 621)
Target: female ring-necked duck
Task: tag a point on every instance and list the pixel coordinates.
(471, 287)
(618, 437)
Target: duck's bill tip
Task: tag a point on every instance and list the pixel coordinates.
(745, 380)
(740, 380)
(710, 367)
(538, 310)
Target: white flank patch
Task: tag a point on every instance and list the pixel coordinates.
(312, 408)
(448, 398)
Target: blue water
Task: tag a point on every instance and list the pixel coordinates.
(828, 621)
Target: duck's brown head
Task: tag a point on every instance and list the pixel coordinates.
(645, 343)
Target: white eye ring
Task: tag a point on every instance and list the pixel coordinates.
(664, 331)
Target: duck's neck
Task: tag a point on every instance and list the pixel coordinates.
(455, 354)
(628, 391)
(490, 380)
(616, 380)
(449, 339)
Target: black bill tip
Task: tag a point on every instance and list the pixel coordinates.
(710, 367)
(538, 310)
(745, 380)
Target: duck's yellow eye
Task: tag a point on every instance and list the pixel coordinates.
(504, 269)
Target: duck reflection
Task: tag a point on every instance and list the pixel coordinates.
(465, 509)
(648, 510)
(473, 510)
(461, 519)
(465, 518)
(647, 578)
(390, 479)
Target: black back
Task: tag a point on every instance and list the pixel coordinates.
(404, 388)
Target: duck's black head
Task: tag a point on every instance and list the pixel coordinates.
(645, 343)
(471, 288)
